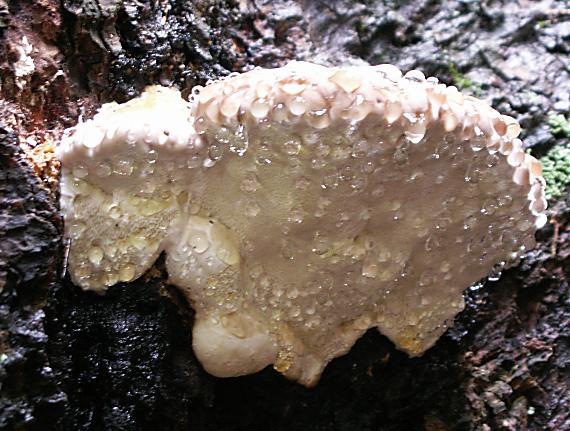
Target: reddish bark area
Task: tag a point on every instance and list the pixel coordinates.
(74, 360)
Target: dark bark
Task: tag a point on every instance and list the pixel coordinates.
(75, 360)
(29, 250)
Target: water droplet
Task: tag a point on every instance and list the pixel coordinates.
(319, 119)
(496, 272)
(76, 229)
(443, 222)
(252, 209)
(230, 105)
(228, 255)
(296, 215)
(200, 125)
(365, 214)
(194, 162)
(123, 167)
(478, 141)
(489, 207)
(259, 108)
(297, 106)
(239, 143)
(426, 278)
(110, 251)
(295, 311)
(416, 130)
(103, 170)
(401, 156)
(250, 183)
(508, 238)
(293, 87)
(456, 154)
(492, 160)
(470, 222)
(80, 171)
(475, 287)
(302, 183)
(110, 279)
(431, 243)
(415, 175)
(131, 137)
(263, 155)
(288, 251)
(292, 147)
(208, 163)
(215, 152)
(199, 243)
(318, 163)
(358, 110)
(504, 201)
(95, 255)
(293, 293)
(473, 174)
(114, 212)
(280, 113)
(320, 244)
(369, 268)
(360, 148)
(82, 271)
(367, 167)
(93, 138)
(138, 241)
(127, 273)
(445, 145)
(330, 181)
(395, 205)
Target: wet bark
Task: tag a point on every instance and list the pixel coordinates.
(75, 360)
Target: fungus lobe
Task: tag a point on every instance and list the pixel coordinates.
(300, 206)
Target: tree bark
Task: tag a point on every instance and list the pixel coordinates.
(75, 360)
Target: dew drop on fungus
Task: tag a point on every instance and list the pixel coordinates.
(103, 170)
(260, 108)
(297, 106)
(127, 273)
(292, 146)
(95, 255)
(199, 243)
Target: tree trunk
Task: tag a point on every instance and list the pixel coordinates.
(74, 360)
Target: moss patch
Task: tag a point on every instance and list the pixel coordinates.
(556, 165)
(559, 125)
(462, 82)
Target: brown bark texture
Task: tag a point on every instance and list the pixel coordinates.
(73, 360)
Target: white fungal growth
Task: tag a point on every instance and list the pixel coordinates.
(24, 66)
(299, 207)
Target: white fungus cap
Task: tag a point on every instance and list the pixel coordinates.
(300, 206)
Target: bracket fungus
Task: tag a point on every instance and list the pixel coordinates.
(300, 206)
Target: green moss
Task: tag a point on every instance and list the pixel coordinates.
(556, 171)
(559, 125)
(462, 82)
(543, 23)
